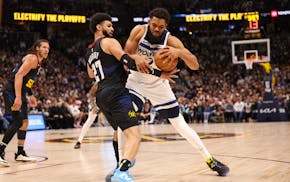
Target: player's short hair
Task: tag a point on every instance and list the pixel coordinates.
(97, 19)
(161, 13)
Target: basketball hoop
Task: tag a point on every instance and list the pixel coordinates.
(249, 64)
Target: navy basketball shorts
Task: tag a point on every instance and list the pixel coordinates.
(116, 104)
(9, 97)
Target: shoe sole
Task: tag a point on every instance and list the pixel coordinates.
(25, 160)
(115, 180)
(225, 174)
(5, 164)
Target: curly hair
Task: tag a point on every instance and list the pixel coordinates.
(97, 19)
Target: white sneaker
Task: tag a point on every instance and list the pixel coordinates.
(3, 162)
(24, 158)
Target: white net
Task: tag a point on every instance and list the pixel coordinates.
(249, 64)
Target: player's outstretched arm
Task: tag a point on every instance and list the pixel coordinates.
(135, 62)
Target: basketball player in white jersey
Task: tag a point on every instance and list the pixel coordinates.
(146, 40)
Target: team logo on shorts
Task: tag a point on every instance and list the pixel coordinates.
(132, 114)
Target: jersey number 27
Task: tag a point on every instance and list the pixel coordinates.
(98, 70)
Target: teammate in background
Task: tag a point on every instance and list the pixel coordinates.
(146, 40)
(15, 90)
(93, 112)
(105, 63)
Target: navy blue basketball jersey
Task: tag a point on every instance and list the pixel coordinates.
(107, 69)
(28, 80)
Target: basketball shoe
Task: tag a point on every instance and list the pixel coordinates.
(23, 157)
(217, 166)
(77, 145)
(109, 176)
(122, 176)
(3, 162)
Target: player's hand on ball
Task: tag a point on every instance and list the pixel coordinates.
(142, 64)
(170, 75)
(170, 52)
(164, 60)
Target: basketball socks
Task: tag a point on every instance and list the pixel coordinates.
(20, 149)
(125, 165)
(191, 136)
(116, 150)
(2, 147)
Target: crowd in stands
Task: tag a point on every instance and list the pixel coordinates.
(219, 92)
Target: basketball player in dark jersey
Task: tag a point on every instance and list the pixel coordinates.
(112, 98)
(15, 90)
(106, 60)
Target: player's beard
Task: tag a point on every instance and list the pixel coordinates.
(106, 34)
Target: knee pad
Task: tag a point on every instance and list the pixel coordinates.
(21, 134)
(169, 113)
(17, 118)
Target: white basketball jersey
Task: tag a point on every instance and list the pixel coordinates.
(148, 49)
(143, 85)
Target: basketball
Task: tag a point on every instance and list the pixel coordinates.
(164, 63)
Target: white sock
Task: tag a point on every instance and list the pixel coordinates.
(191, 136)
(121, 141)
(91, 118)
(152, 117)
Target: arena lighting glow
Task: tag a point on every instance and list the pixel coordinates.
(60, 18)
(140, 19)
(114, 19)
(250, 16)
(286, 12)
(274, 13)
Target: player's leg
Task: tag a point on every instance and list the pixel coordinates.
(88, 123)
(131, 148)
(117, 141)
(116, 147)
(127, 121)
(167, 106)
(15, 124)
(152, 115)
(21, 136)
(17, 119)
(192, 137)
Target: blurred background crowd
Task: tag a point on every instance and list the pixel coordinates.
(219, 92)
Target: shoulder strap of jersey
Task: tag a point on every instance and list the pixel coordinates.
(145, 33)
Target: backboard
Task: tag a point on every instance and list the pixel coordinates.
(257, 50)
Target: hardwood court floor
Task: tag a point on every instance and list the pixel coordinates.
(255, 152)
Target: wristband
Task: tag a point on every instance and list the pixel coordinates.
(128, 61)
